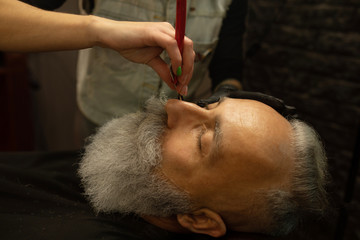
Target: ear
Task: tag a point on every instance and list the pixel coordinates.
(204, 221)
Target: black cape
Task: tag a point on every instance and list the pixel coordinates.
(41, 198)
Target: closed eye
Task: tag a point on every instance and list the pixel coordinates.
(204, 129)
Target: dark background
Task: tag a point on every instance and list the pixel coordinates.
(305, 52)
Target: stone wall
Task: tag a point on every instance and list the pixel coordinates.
(307, 52)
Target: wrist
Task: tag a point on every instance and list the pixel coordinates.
(94, 29)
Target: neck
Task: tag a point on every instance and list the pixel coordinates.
(167, 223)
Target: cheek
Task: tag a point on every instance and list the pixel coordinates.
(178, 155)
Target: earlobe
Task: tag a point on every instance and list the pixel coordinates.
(203, 221)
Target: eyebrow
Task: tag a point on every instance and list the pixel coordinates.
(217, 140)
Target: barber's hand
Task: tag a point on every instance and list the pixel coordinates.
(143, 42)
(232, 92)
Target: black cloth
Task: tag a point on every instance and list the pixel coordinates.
(227, 61)
(45, 4)
(41, 198)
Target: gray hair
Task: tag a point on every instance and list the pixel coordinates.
(118, 168)
(307, 194)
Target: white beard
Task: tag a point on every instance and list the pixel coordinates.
(117, 169)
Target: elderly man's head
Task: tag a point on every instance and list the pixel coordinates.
(236, 164)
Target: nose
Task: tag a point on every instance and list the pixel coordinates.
(184, 113)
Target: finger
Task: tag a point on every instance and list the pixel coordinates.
(173, 51)
(169, 43)
(162, 69)
(183, 88)
(164, 36)
(188, 67)
(166, 39)
(187, 62)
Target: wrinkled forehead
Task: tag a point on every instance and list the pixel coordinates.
(256, 137)
(253, 122)
(251, 113)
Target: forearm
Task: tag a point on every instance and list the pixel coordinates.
(24, 28)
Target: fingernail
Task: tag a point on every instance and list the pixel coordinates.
(178, 71)
(184, 91)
